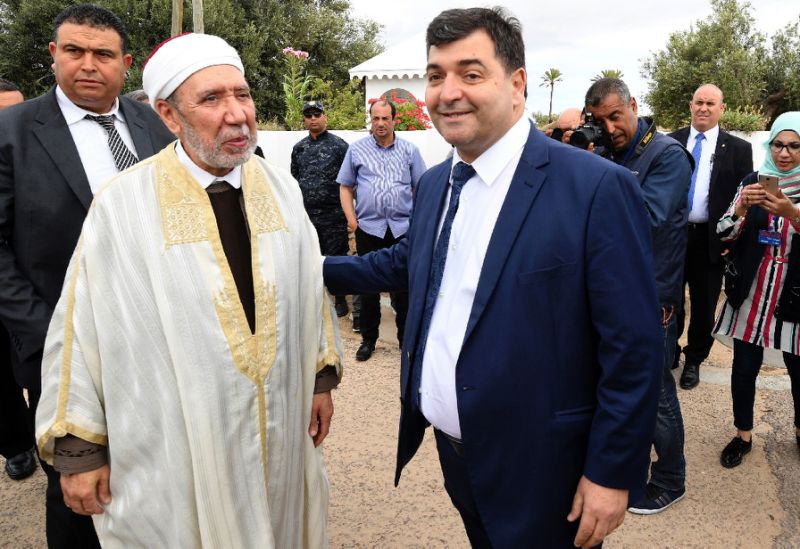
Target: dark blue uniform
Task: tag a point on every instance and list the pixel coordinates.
(315, 165)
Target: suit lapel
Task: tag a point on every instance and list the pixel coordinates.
(428, 208)
(683, 136)
(719, 157)
(56, 139)
(524, 188)
(138, 129)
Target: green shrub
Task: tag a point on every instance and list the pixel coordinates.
(541, 119)
(745, 119)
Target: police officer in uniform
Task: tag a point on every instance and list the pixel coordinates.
(316, 160)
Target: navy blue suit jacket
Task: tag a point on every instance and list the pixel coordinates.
(559, 371)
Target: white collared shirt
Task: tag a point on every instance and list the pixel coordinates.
(91, 140)
(699, 213)
(234, 177)
(473, 225)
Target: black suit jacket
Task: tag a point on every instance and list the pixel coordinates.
(44, 197)
(733, 160)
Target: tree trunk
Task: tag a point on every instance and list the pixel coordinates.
(550, 112)
(177, 17)
(197, 16)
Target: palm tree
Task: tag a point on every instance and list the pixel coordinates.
(549, 79)
(609, 73)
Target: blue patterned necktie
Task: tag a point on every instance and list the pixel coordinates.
(697, 152)
(462, 173)
(123, 157)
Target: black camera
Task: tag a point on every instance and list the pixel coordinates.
(589, 132)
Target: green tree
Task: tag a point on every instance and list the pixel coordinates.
(334, 40)
(608, 73)
(725, 50)
(782, 90)
(549, 79)
(26, 28)
(258, 29)
(344, 106)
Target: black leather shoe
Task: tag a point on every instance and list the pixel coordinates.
(341, 308)
(365, 350)
(22, 465)
(734, 452)
(690, 377)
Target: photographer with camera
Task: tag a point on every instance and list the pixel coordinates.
(664, 169)
(568, 120)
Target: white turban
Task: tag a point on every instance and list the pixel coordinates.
(176, 59)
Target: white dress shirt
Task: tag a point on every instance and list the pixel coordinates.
(91, 140)
(478, 209)
(234, 177)
(699, 213)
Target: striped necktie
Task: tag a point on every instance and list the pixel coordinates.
(123, 157)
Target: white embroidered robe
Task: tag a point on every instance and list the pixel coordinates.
(149, 352)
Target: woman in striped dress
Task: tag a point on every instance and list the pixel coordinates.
(762, 279)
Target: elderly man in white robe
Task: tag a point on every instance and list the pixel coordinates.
(188, 367)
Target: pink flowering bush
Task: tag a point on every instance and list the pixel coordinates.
(296, 84)
(295, 53)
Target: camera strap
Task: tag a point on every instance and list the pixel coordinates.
(641, 144)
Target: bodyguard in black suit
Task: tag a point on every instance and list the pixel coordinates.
(52, 161)
(718, 172)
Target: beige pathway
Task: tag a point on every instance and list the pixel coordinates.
(754, 506)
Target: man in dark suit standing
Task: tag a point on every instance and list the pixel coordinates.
(532, 339)
(53, 159)
(721, 162)
(16, 438)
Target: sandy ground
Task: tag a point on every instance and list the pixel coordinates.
(753, 506)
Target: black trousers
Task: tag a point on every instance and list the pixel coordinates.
(370, 318)
(16, 435)
(332, 241)
(64, 529)
(747, 358)
(704, 279)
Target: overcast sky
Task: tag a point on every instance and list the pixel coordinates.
(578, 37)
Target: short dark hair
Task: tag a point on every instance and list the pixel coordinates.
(7, 86)
(604, 87)
(138, 95)
(504, 29)
(384, 102)
(93, 16)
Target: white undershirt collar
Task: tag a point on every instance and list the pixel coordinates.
(73, 113)
(234, 177)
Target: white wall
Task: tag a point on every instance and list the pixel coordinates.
(757, 140)
(277, 146)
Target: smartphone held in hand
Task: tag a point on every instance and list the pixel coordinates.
(769, 183)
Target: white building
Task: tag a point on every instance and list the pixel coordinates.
(400, 68)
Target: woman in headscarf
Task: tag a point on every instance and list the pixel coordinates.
(762, 278)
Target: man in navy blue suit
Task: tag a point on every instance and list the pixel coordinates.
(532, 343)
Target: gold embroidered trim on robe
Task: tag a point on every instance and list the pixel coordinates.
(187, 217)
